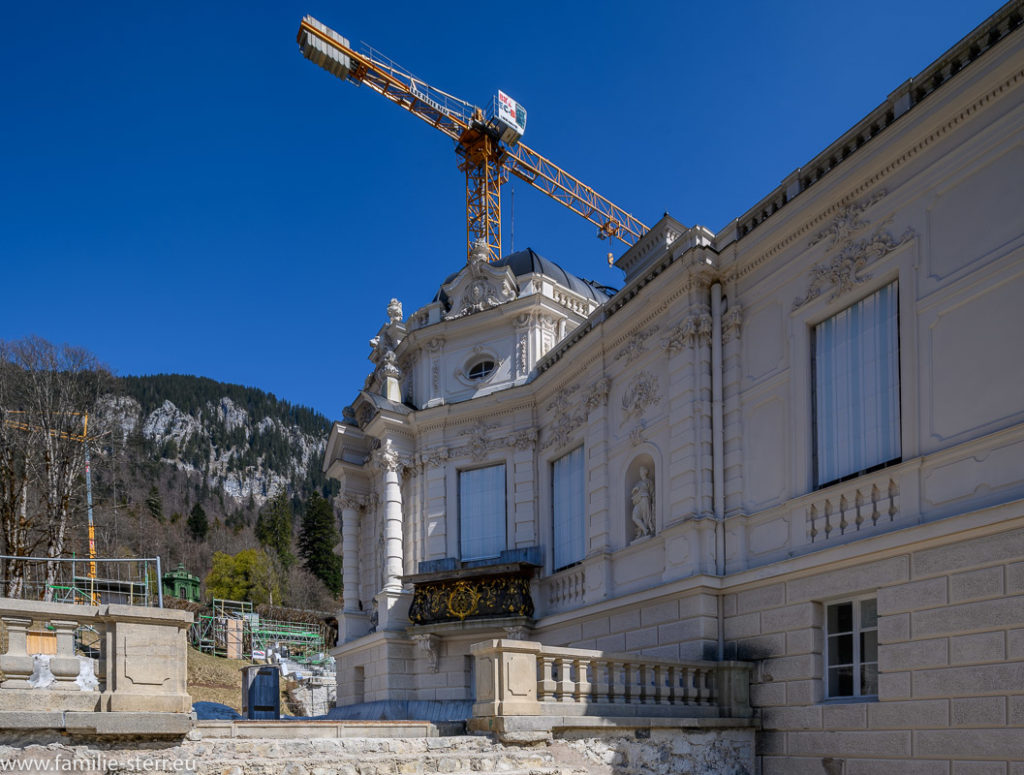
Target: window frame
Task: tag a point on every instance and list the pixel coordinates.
(503, 500)
(857, 630)
(816, 474)
(582, 548)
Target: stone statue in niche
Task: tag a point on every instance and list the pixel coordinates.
(643, 505)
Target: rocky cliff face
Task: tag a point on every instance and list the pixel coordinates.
(244, 456)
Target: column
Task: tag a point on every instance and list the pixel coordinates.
(387, 461)
(350, 505)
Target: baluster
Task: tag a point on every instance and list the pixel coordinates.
(660, 686)
(674, 691)
(875, 496)
(602, 681)
(828, 518)
(844, 504)
(566, 687)
(618, 681)
(858, 503)
(683, 689)
(546, 687)
(643, 680)
(582, 689)
(894, 493)
(812, 515)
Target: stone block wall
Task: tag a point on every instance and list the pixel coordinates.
(950, 660)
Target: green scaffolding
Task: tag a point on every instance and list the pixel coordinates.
(305, 642)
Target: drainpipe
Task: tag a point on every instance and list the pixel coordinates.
(717, 451)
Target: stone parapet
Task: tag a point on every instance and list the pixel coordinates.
(100, 669)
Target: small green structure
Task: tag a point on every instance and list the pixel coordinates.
(181, 583)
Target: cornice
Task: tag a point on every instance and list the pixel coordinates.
(736, 272)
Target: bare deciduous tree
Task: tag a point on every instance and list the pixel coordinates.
(45, 392)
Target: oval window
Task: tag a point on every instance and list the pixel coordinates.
(481, 370)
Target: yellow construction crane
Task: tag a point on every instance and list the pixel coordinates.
(487, 144)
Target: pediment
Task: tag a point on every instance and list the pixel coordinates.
(479, 286)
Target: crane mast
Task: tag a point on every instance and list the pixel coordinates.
(487, 145)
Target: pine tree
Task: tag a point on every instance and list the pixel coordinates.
(274, 529)
(198, 524)
(317, 539)
(155, 504)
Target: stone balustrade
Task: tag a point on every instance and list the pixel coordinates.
(528, 679)
(133, 665)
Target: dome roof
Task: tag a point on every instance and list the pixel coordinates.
(528, 261)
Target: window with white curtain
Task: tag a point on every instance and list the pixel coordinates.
(482, 512)
(568, 515)
(857, 388)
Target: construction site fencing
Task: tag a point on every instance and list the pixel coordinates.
(122, 581)
(235, 631)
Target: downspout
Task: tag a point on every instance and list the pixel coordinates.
(717, 451)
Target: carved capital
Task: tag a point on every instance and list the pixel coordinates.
(731, 321)
(386, 458)
(692, 331)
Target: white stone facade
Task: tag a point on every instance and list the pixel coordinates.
(702, 371)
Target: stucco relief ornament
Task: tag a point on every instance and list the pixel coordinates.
(846, 271)
(435, 457)
(636, 346)
(479, 438)
(524, 440)
(597, 396)
(640, 393)
(563, 427)
(636, 436)
(731, 321)
(642, 496)
(692, 331)
(846, 223)
(395, 311)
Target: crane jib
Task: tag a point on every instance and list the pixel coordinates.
(494, 148)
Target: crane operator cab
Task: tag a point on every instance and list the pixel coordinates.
(508, 118)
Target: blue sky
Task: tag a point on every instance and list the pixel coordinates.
(181, 191)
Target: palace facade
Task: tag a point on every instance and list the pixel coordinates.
(798, 442)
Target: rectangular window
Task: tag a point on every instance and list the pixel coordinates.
(568, 513)
(851, 649)
(482, 512)
(857, 388)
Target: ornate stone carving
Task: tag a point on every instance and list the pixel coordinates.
(434, 457)
(846, 270)
(731, 321)
(563, 427)
(597, 396)
(846, 223)
(692, 331)
(351, 501)
(636, 346)
(389, 365)
(395, 311)
(522, 355)
(642, 496)
(524, 440)
(479, 286)
(436, 344)
(480, 438)
(386, 458)
(636, 436)
(640, 393)
(566, 420)
(430, 645)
